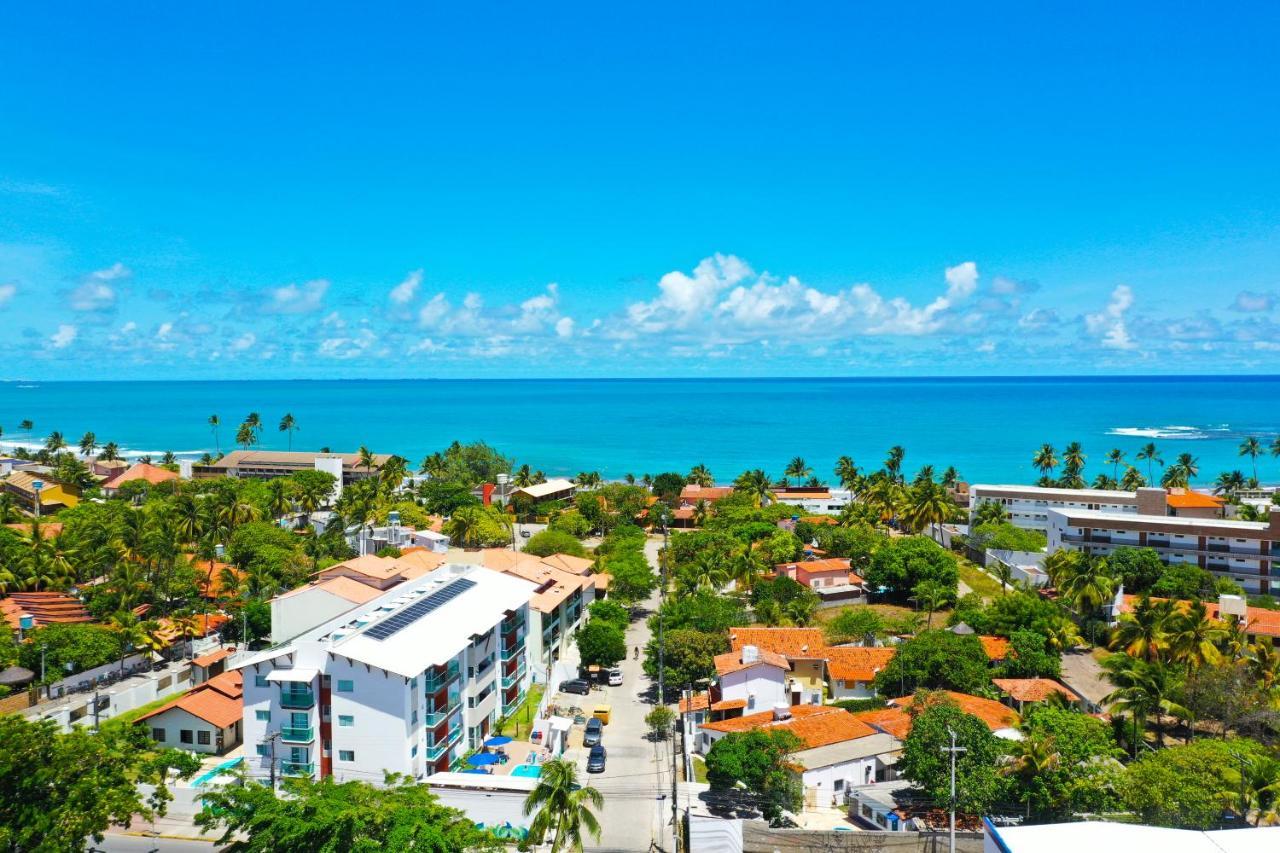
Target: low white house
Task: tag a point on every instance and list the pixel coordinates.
(206, 719)
(1024, 566)
(1099, 835)
(755, 678)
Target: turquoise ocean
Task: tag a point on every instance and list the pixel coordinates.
(987, 427)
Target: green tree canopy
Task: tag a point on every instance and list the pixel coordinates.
(1137, 568)
(979, 784)
(760, 760)
(702, 611)
(1186, 785)
(333, 817)
(1030, 657)
(548, 542)
(853, 625)
(935, 660)
(608, 610)
(689, 657)
(1003, 536)
(1084, 776)
(667, 487)
(901, 564)
(1183, 580)
(70, 648)
(632, 576)
(600, 643)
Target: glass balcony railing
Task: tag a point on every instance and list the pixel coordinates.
(435, 749)
(297, 699)
(510, 651)
(297, 734)
(437, 714)
(297, 768)
(439, 678)
(509, 708)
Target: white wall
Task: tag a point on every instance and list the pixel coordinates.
(767, 683)
(301, 611)
(856, 690)
(821, 782)
(382, 736)
(175, 720)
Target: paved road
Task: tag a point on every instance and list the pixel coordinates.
(140, 844)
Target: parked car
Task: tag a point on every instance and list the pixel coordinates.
(615, 677)
(595, 761)
(594, 732)
(576, 685)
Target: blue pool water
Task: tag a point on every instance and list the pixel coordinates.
(530, 771)
(223, 768)
(987, 427)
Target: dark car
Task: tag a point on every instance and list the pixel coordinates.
(576, 685)
(595, 761)
(594, 732)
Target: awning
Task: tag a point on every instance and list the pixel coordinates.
(302, 674)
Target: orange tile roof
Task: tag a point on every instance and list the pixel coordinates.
(815, 725)
(152, 474)
(892, 721)
(698, 702)
(991, 712)
(418, 562)
(995, 647)
(208, 660)
(830, 564)
(554, 585)
(855, 663)
(729, 704)
(230, 684)
(693, 494)
(46, 608)
(820, 519)
(730, 662)
(1032, 689)
(206, 703)
(602, 579)
(1183, 499)
(208, 623)
(792, 642)
(569, 563)
(369, 565)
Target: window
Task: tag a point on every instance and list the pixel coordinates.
(264, 750)
(158, 735)
(346, 755)
(202, 737)
(839, 784)
(185, 736)
(259, 681)
(346, 685)
(262, 716)
(346, 721)
(414, 719)
(413, 752)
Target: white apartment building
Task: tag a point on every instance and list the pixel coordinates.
(1243, 551)
(408, 682)
(564, 588)
(1028, 506)
(815, 501)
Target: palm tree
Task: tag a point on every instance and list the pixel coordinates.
(1073, 457)
(279, 502)
(924, 475)
(26, 425)
(699, 475)
(1143, 688)
(1030, 758)
(931, 595)
(990, 512)
(464, 526)
(254, 420)
(1258, 778)
(1189, 464)
(797, 468)
(1251, 447)
(7, 507)
(701, 512)
(1175, 476)
(1089, 586)
(1115, 458)
(893, 462)
(847, 473)
(109, 453)
(709, 571)
(367, 460)
(745, 568)
(755, 484)
(800, 610)
(54, 442)
(245, 436)
(88, 443)
(1228, 483)
(951, 477)
(214, 422)
(1195, 637)
(562, 807)
(1045, 460)
(289, 424)
(927, 504)
(1152, 456)
(1132, 479)
(1105, 481)
(1143, 632)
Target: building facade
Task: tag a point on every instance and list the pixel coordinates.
(408, 682)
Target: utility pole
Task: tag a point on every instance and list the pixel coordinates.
(953, 749)
(662, 695)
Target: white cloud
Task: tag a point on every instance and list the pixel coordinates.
(297, 299)
(404, 292)
(333, 320)
(683, 298)
(1039, 318)
(129, 328)
(93, 295)
(163, 332)
(7, 292)
(1251, 302)
(564, 327)
(243, 342)
(428, 346)
(348, 347)
(1109, 324)
(64, 337)
(987, 346)
(111, 273)
(962, 280)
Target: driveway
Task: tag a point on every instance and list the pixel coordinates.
(1083, 674)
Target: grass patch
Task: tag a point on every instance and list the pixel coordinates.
(521, 719)
(135, 713)
(979, 581)
(699, 770)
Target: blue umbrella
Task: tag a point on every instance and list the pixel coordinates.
(498, 740)
(474, 770)
(483, 758)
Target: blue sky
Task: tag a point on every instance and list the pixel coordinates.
(732, 189)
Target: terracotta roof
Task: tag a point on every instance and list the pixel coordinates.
(830, 564)
(892, 721)
(991, 712)
(1032, 689)
(211, 572)
(815, 725)
(602, 579)
(208, 704)
(141, 471)
(208, 623)
(1258, 620)
(995, 647)
(792, 642)
(692, 494)
(698, 702)
(418, 562)
(730, 662)
(1184, 499)
(208, 660)
(46, 608)
(554, 585)
(230, 684)
(854, 663)
(820, 519)
(569, 563)
(370, 565)
(729, 704)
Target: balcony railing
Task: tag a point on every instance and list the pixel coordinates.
(437, 749)
(299, 699)
(513, 679)
(508, 652)
(297, 768)
(437, 679)
(509, 707)
(510, 625)
(438, 714)
(297, 734)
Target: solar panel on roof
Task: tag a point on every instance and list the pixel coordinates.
(393, 624)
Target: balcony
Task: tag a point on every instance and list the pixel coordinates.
(438, 678)
(297, 768)
(437, 749)
(299, 699)
(297, 734)
(513, 679)
(510, 626)
(437, 714)
(508, 708)
(508, 652)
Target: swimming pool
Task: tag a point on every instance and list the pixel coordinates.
(528, 771)
(222, 769)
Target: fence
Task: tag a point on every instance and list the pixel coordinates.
(759, 837)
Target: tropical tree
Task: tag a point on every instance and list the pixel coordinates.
(847, 473)
(1115, 458)
(1229, 483)
(950, 477)
(55, 442)
(214, 422)
(88, 444)
(26, 425)
(990, 512)
(1143, 631)
(931, 595)
(1073, 459)
(1151, 455)
(562, 808)
(246, 437)
(798, 468)
(699, 475)
(254, 420)
(109, 453)
(927, 504)
(1132, 479)
(893, 462)
(756, 485)
(1030, 759)
(289, 424)
(1045, 460)
(1088, 586)
(1142, 689)
(367, 459)
(1195, 637)
(1251, 447)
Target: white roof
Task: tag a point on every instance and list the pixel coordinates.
(550, 487)
(1119, 521)
(1102, 495)
(1098, 835)
(848, 750)
(303, 674)
(481, 782)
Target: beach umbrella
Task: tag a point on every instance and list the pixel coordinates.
(15, 676)
(483, 758)
(481, 772)
(498, 740)
(507, 831)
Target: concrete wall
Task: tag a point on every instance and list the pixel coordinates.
(758, 837)
(766, 682)
(820, 783)
(302, 611)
